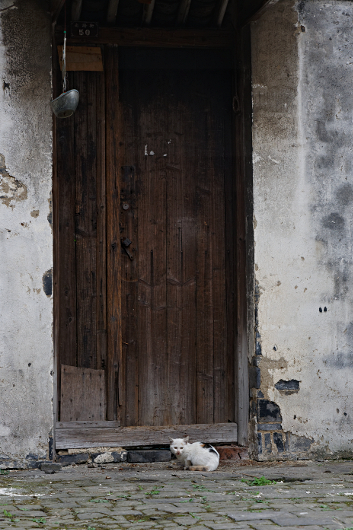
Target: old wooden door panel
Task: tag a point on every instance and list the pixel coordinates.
(82, 394)
(81, 245)
(176, 208)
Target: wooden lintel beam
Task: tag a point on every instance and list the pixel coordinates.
(253, 9)
(112, 11)
(183, 11)
(156, 37)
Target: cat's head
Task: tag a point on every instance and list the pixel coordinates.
(178, 445)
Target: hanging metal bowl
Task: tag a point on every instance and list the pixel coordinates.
(66, 104)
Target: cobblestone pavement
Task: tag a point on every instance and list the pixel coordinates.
(155, 496)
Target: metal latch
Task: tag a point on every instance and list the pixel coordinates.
(125, 243)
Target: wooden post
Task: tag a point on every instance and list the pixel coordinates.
(244, 247)
(113, 133)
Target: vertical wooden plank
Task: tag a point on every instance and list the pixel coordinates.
(101, 228)
(230, 268)
(129, 287)
(181, 271)
(153, 410)
(115, 382)
(86, 219)
(65, 265)
(220, 149)
(217, 177)
(205, 338)
(129, 220)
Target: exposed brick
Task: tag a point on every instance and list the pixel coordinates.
(32, 456)
(278, 440)
(258, 350)
(269, 426)
(50, 467)
(268, 411)
(68, 460)
(254, 377)
(268, 442)
(288, 387)
(33, 461)
(33, 464)
(259, 442)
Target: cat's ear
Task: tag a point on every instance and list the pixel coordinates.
(186, 439)
(171, 440)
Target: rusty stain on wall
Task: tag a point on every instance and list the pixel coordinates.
(10, 188)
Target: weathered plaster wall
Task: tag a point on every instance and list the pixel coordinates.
(26, 350)
(302, 57)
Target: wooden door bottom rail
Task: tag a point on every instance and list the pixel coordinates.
(80, 435)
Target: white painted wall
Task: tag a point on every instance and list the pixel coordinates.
(302, 56)
(26, 343)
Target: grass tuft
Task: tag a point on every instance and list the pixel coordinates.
(259, 481)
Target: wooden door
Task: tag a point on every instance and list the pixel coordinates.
(80, 271)
(144, 223)
(176, 230)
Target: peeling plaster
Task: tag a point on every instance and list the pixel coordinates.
(48, 282)
(10, 188)
(269, 369)
(50, 214)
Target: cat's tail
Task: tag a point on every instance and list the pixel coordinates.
(198, 468)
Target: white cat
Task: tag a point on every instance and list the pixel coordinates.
(196, 456)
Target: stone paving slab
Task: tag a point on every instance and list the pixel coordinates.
(248, 516)
(283, 520)
(226, 526)
(156, 496)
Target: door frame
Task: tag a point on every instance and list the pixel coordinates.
(239, 43)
